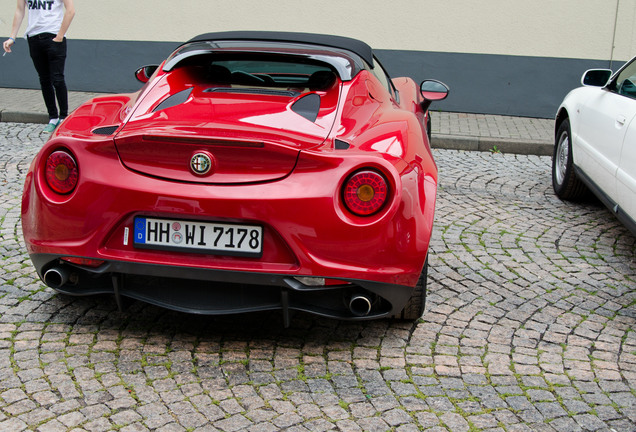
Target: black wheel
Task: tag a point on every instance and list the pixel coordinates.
(415, 306)
(566, 184)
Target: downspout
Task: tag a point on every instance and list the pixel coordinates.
(618, 2)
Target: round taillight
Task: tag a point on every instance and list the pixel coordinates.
(61, 172)
(365, 192)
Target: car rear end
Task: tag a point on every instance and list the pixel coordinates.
(225, 188)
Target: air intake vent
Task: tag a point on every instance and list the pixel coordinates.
(174, 100)
(106, 130)
(341, 145)
(307, 106)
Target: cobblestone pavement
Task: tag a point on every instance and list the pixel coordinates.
(529, 327)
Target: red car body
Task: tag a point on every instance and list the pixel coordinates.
(329, 185)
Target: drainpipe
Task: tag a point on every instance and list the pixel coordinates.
(618, 2)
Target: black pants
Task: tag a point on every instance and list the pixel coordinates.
(49, 58)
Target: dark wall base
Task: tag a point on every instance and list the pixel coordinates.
(494, 84)
(480, 83)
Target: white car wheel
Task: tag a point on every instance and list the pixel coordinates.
(565, 182)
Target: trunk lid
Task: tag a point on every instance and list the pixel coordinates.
(247, 134)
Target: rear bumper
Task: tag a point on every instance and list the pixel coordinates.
(218, 292)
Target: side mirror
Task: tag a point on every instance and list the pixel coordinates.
(596, 77)
(144, 73)
(433, 90)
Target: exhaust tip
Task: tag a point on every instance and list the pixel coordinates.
(56, 277)
(360, 305)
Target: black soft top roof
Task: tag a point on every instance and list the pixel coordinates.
(357, 47)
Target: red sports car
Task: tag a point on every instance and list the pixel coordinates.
(253, 171)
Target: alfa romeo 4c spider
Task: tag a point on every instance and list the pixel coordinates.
(252, 171)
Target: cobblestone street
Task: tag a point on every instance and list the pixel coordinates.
(529, 326)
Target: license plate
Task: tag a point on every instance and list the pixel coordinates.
(195, 236)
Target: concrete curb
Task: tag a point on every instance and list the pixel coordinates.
(23, 117)
(503, 145)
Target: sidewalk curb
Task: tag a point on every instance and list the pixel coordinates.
(23, 117)
(503, 145)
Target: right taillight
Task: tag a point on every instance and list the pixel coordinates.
(61, 172)
(365, 192)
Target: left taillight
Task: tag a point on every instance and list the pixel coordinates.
(365, 192)
(61, 172)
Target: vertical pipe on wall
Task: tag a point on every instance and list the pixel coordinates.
(618, 2)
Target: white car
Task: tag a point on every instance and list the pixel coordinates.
(595, 141)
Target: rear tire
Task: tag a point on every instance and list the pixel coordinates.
(565, 182)
(415, 306)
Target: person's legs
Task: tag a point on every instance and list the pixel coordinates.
(40, 56)
(57, 59)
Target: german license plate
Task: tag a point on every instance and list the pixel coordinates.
(196, 236)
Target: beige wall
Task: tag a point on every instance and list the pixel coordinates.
(583, 29)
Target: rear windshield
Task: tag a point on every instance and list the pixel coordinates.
(265, 71)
